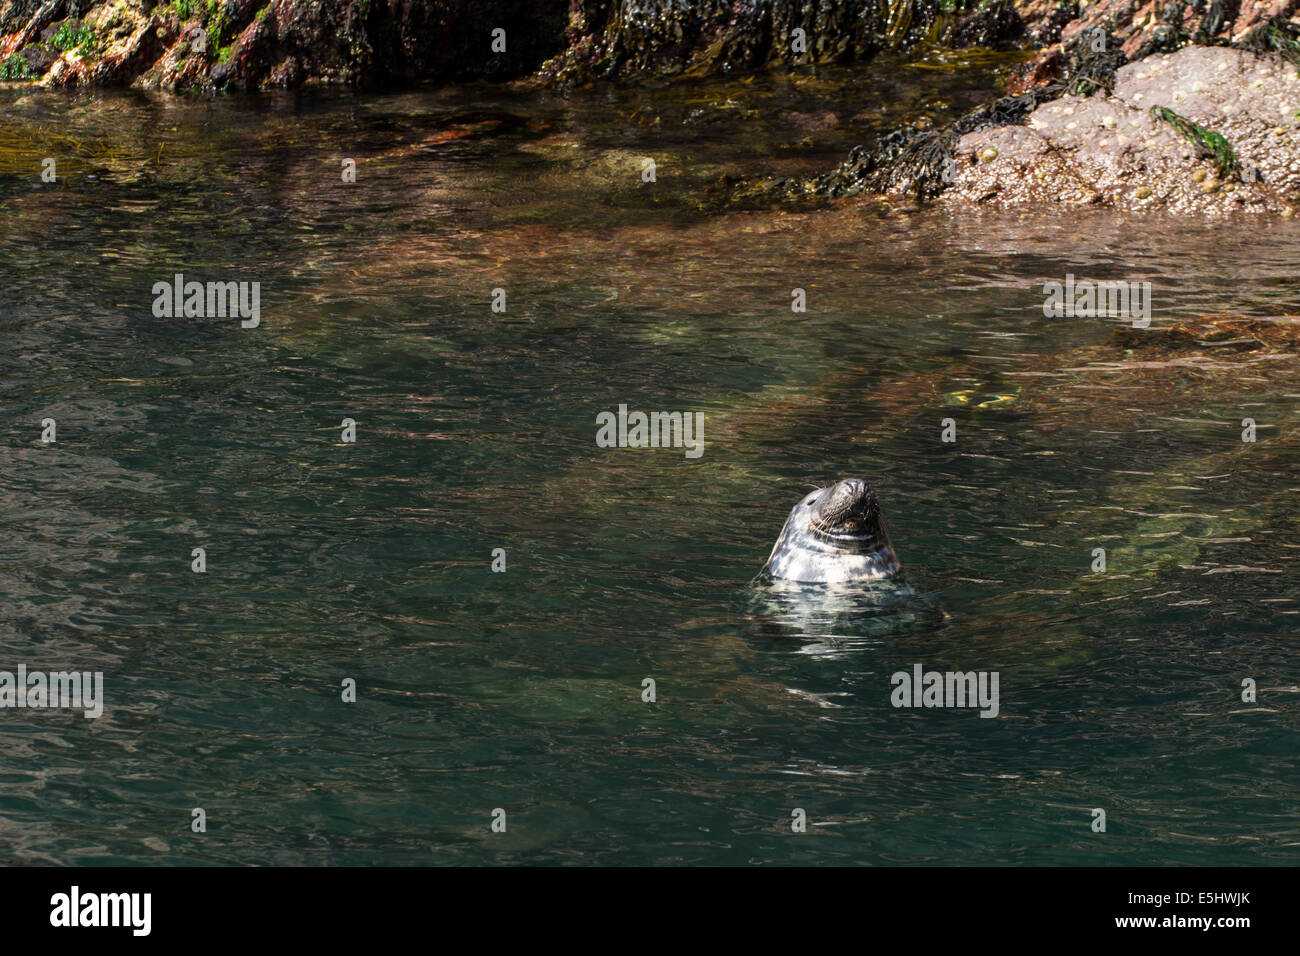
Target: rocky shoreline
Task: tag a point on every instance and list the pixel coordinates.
(204, 45)
(257, 44)
(1207, 129)
(1194, 107)
(1211, 130)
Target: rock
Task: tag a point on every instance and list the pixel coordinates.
(255, 43)
(1098, 148)
(1234, 333)
(247, 65)
(1139, 28)
(630, 38)
(127, 43)
(365, 42)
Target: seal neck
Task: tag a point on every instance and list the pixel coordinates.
(851, 543)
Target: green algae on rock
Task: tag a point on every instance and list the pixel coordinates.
(253, 44)
(1211, 145)
(622, 38)
(1163, 117)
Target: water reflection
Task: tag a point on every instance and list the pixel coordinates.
(829, 621)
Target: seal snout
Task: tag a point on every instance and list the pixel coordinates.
(848, 507)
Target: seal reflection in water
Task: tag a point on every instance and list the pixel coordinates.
(834, 535)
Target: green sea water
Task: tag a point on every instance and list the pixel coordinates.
(475, 430)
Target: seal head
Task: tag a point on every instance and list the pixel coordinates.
(834, 534)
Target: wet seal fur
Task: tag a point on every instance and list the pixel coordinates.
(835, 534)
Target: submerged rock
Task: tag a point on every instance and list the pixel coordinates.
(1233, 333)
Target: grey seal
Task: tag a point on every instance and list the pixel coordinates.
(834, 535)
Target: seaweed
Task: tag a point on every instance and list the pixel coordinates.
(1275, 35)
(1209, 144)
(1092, 69)
(73, 36)
(923, 161)
(14, 67)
